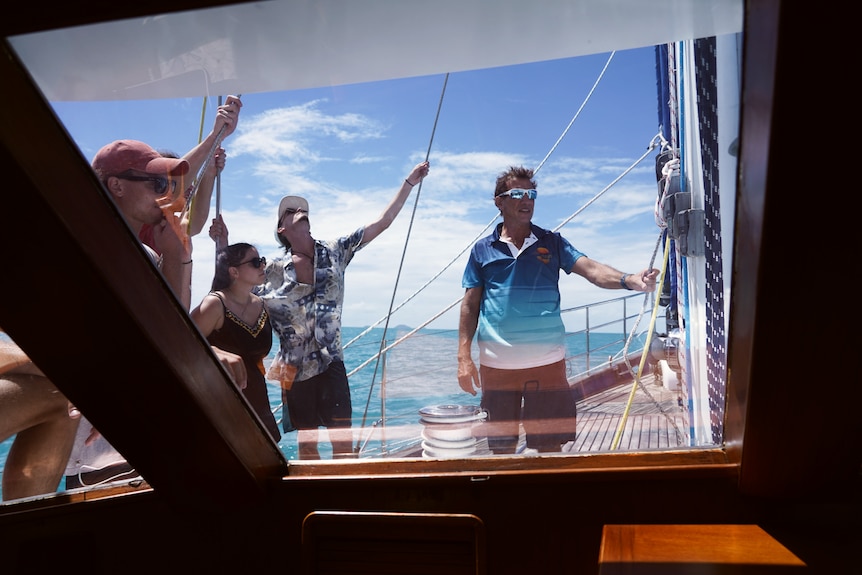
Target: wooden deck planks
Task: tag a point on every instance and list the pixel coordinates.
(653, 420)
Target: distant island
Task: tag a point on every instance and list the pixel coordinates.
(400, 327)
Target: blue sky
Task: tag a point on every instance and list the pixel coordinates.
(348, 148)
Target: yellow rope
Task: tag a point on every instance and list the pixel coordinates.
(200, 138)
(203, 115)
(618, 435)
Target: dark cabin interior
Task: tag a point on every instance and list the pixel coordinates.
(222, 499)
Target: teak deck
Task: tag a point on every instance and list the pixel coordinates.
(654, 419)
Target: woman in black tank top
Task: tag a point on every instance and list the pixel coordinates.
(232, 318)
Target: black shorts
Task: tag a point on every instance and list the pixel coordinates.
(322, 400)
(540, 398)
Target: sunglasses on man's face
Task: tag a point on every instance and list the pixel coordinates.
(255, 262)
(290, 212)
(517, 194)
(159, 183)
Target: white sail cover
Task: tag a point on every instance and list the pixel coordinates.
(293, 44)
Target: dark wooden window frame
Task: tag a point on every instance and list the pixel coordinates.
(147, 368)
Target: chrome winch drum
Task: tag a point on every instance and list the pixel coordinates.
(448, 430)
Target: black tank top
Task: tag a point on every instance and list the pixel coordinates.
(252, 343)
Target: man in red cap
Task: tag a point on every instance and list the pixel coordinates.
(140, 181)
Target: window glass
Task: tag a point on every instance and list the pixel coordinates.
(633, 153)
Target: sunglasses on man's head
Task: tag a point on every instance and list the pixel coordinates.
(518, 193)
(255, 262)
(159, 183)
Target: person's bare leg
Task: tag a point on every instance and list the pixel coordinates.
(34, 409)
(307, 440)
(342, 442)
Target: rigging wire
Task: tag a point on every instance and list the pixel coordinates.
(403, 254)
(404, 337)
(427, 322)
(218, 182)
(654, 142)
(422, 288)
(650, 148)
(481, 234)
(497, 215)
(578, 113)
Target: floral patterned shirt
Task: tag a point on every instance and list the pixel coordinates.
(307, 318)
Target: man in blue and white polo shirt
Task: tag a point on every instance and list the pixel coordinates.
(512, 297)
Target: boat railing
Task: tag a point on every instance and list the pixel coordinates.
(415, 366)
(590, 329)
(597, 334)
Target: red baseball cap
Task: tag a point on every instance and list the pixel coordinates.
(122, 155)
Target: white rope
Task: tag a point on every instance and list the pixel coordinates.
(578, 113)
(652, 145)
(650, 148)
(422, 288)
(404, 337)
(491, 223)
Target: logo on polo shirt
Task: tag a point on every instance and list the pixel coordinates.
(543, 255)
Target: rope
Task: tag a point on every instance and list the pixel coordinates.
(674, 105)
(650, 148)
(205, 165)
(481, 234)
(578, 113)
(422, 288)
(494, 219)
(190, 200)
(403, 255)
(655, 141)
(203, 114)
(637, 381)
(668, 170)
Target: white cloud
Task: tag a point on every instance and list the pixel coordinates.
(299, 150)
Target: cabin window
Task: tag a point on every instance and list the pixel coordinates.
(633, 145)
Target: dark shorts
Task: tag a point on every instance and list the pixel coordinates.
(322, 400)
(539, 398)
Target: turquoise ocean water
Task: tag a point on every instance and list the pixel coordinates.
(388, 394)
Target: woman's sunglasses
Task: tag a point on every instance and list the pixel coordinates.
(255, 262)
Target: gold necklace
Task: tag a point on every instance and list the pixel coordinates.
(245, 307)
